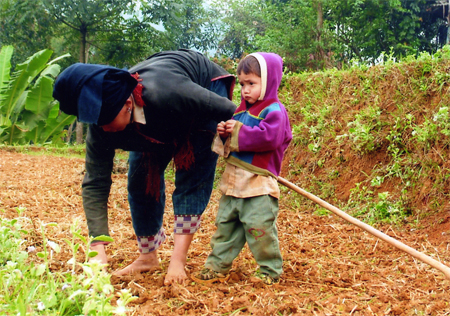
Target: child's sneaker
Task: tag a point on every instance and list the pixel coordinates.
(267, 279)
(210, 276)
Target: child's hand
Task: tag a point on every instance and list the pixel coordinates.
(225, 128)
(229, 126)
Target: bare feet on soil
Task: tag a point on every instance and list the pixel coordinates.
(175, 273)
(144, 263)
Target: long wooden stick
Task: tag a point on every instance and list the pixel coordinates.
(416, 254)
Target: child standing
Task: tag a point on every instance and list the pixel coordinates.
(253, 143)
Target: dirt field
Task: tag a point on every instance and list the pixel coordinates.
(330, 267)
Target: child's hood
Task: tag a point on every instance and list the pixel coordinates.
(271, 66)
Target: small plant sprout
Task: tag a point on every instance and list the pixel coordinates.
(125, 298)
(44, 254)
(377, 181)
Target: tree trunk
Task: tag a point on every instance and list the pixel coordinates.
(319, 21)
(448, 23)
(79, 128)
(70, 132)
(320, 52)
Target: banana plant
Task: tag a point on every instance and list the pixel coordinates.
(28, 112)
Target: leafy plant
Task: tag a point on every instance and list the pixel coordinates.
(362, 131)
(28, 286)
(28, 112)
(383, 208)
(313, 128)
(442, 119)
(426, 133)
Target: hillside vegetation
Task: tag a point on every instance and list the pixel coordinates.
(374, 141)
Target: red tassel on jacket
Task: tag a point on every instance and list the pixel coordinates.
(137, 92)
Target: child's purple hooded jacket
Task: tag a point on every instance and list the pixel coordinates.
(263, 132)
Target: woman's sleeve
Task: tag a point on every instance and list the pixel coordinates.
(97, 183)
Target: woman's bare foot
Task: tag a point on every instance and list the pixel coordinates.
(144, 263)
(175, 273)
(101, 253)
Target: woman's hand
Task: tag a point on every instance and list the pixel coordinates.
(221, 127)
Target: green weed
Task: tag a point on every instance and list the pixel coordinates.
(372, 210)
(322, 212)
(363, 130)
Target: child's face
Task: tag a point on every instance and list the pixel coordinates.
(250, 87)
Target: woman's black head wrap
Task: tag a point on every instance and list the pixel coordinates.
(94, 93)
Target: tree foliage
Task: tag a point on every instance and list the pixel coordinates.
(366, 29)
(193, 26)
(292, 30)
(84, 20)
(309, 34)
(316, 34)
(26, 26)
(241, 22)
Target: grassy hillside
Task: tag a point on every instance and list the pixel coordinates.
(374, 141)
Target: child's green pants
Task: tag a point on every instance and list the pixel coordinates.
(251, 220)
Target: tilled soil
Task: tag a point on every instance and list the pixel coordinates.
(331, 267)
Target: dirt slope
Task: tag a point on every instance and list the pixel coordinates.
(331, 267)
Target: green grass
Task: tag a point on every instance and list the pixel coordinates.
(68, 151)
